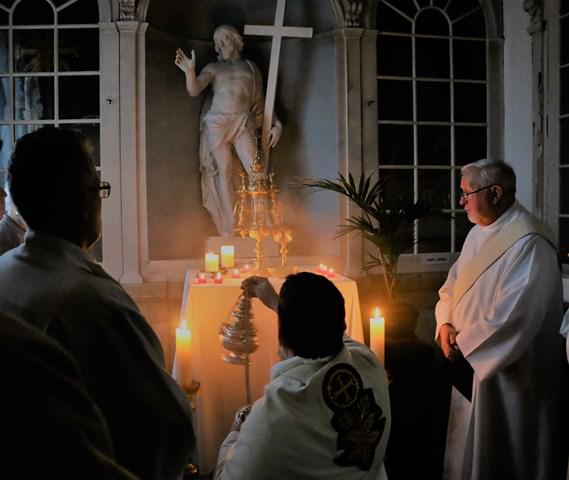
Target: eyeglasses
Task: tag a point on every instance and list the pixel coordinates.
(463, 196)
(104, 189)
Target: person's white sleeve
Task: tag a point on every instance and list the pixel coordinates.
(443, 309)
(225, 453)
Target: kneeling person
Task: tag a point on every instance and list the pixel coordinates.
(325, 413)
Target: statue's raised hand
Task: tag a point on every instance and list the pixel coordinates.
(183, 62)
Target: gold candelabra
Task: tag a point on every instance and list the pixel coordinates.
(258, 213)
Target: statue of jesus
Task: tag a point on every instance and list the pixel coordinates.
(228, 141)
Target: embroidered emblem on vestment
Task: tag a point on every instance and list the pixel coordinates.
(358, 419)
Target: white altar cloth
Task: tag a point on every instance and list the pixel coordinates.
(222, 391)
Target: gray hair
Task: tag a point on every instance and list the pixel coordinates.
(232, 33)
(487, 171)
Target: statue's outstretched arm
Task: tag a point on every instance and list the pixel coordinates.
(194, 85)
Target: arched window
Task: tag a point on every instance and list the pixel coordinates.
(432, 106)
(49, 71)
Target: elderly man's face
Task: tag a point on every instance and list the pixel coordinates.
(480, 206)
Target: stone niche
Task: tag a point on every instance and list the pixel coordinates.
(306, 102)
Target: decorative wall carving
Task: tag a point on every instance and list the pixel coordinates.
(535, 10)
(127, 10)
(352, 13)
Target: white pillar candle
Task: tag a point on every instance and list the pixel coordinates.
(182, 357)
(211, 262)
(227, 256)
(377, 335)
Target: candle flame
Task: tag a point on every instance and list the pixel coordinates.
(376, 312)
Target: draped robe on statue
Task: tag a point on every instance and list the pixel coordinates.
(508, 330)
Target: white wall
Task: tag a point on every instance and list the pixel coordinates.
(518, 98)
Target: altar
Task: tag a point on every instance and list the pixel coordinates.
(222, 390)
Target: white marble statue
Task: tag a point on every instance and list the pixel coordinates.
(228, 129)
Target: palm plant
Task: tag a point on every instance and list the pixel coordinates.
(389, 229)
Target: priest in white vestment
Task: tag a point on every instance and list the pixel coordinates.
(501, 308)
(325, 414)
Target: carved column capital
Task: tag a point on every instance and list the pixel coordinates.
(352, 12)
(535, 10)
(127, 10)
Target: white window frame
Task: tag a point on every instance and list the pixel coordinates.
(441, 261)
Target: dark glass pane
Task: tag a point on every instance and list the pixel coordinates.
(433, 145)
(395, 100)
(434, 234)
(458, 191)
(82, 11)
(434, 188)
(399, 185)
(457, 8)
(408, 8)
(21, 130)
(469, 59)
(58, 3)
(5, 149)
(78, 49)
(433, 101)
(79, 97)
(564, 153)
(564, 40)
(564, 8)
(469, 144)
(431, 22)
(5, 104)
(440, 3)
(564, 90)
(388, 20)
(469, 102)
(7, 3)
(432, 57)
(33, 12)
(33, 98)
(462, 227)
(395, 144)
(470, 26)
(91, 132)
(394, 56)
(4, 17)
(564, 239)
(424, 3)
(563, 190)
(33, 50)
(3, 51)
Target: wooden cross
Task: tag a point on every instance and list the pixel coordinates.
(277, 31)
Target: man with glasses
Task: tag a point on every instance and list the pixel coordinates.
(51, 283)
(500, 310)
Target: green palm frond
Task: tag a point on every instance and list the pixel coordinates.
(389, 228)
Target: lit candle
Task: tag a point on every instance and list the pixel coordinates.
(211, 262)
(246, 268)
(201, 278)
(235, 273)
(322, 268)
(227, 256)
(331, 273)
(182, 358)
(218, 278)
(377, 335)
